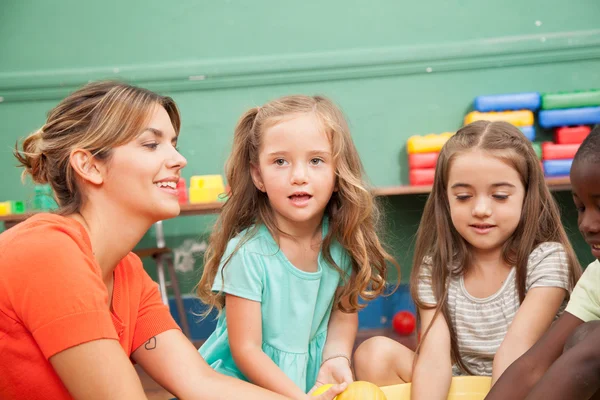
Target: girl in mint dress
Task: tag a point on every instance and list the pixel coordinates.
(294, 249)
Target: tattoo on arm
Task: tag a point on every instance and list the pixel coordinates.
(150, 344)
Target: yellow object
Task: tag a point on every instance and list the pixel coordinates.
(205, 188)
(361, 390)
(322, 389)
(461, 388)
(431, 143)
(5, 208)
(517, 118)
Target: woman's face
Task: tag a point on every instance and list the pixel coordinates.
(141, 176)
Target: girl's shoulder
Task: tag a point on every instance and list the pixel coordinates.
(547, 251)
(254, 239)
(548, 266)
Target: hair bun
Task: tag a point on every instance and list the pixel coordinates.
(32, 158)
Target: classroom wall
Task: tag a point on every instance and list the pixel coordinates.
(396, 69)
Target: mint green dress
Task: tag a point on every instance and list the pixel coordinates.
(295, 305)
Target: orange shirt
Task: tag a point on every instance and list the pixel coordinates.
(52, 297)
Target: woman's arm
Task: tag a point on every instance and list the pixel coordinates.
(434, 363)
(533, 318)
(516, 382)
(98, 369)
(173, 361)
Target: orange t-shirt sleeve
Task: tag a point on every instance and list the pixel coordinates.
(56, 290)
(153, 317)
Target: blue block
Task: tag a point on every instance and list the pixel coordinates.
(504, 102)
(569, 117)
(529, 132)
(557, 167)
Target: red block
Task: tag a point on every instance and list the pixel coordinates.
(421, 176)
(422, 160)
(553, 151)
(182, 191)
(571, 134)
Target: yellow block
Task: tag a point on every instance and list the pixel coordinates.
(204, 195)
(461, 388)
(207, 181)
(5, 208)
(431, 143)
(205, 188)
(517, 118)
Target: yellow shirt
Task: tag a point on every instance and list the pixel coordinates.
(585, 299)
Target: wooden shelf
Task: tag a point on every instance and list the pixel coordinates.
(555, 184)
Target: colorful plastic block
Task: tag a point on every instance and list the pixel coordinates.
(504, 102)
(431, 143)
(517, 118)
(421, 177)
(529, 132)
(570, 116)
(206, 188)
(422, 160)
(571, 134)
(588, 98)
(43, 199)
(5, 208)
(557, 167)
(553, 151)
(17, 207)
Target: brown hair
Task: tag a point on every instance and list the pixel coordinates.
(353, 214)
(97, 117)
(441, 247)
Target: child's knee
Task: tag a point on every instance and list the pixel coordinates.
(370, 349)
(371, 352)
(581, 333)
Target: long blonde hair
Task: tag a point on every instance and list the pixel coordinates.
(353, 214)
(97, 117)
(439, 242)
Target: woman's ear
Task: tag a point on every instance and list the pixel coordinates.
(86, 166)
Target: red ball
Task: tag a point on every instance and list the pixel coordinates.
(404, 322)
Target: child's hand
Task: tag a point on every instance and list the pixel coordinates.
(335, 370)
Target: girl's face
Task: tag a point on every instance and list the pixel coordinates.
(486, 198)
(141, 176)
(296, 170)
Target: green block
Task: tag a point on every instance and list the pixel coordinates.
(588, 98)
(17, 207)
(537, 147)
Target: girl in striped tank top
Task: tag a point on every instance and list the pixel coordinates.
(493, 266)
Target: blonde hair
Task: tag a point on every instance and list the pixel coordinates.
(439, 242)
(353, 214)
(97, 117)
